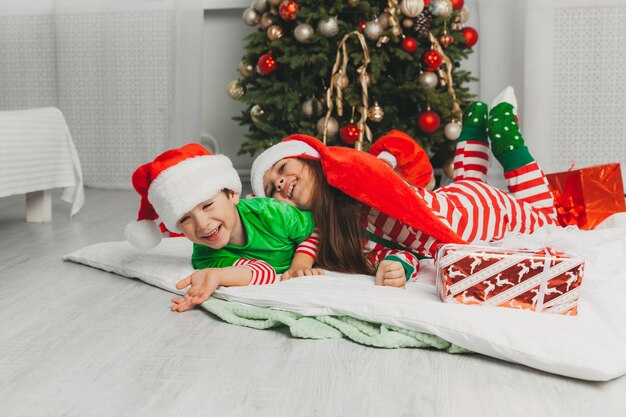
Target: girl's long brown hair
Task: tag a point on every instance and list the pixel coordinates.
(337, 218)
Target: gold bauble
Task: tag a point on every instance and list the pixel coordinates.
(274, 32)
(333, 126)
(312, 107)
(376, 113)
(257, 114)
(408, 23)
(341, 80)
(266, 20)
(235, 89)
(245, 69)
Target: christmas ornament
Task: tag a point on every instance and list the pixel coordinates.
(245, 69)
(428, 79)
(407, 23)
(303, 32)
(260, 5)
(464, 14)
(250, 17)
(274, 32)
(361, 25)
(329, 27)
(341, 81)
(375, 113)
(312, 107)
(411, 8)
(266, 64)
(445, 39)
(373, 30)
(383, 19)
(457, 4)
(331, 128)
(428, 121)
(287, 10)
(349, 133)
(235, 89)
(257, 114)
(431, 60)
(442, 8)
(409, 44)
(448, 168)
(423, 21)
(452, 131)
(266, 20)
(471, 36)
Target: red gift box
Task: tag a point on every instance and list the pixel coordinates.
(585, 197)
(543, 281)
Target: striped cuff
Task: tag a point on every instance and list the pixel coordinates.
(262, 272)
(310, 245)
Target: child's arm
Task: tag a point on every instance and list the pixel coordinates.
(203, 283)
(301, 265)
(394, 267)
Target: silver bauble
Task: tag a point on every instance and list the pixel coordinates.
(452, 131)
(303, 32)
(376, 113)
(464, 14)
(329, 27)
(260, 5)
(312, 107)
(428, 79)
(235, 89)
(441, 8)
(333, 126)
(257, 113)
(250, 17)
(266, 20)
(412, 8)
(373, 30)
(245, 69)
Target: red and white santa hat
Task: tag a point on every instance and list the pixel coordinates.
(173, 184)
(360, 175)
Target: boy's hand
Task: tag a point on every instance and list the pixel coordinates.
(300, 272)
(390, 273)
(203, 283)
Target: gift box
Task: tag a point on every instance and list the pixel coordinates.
(542, 281)
(584, 197)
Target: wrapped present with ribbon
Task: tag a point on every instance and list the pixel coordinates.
(541, 281)
(585, 197)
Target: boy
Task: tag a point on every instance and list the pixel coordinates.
(236, 242)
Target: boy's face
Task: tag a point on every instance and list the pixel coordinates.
(215, 222)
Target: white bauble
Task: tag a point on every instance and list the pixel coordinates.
(412, 8)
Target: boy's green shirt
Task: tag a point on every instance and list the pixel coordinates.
(273, 230)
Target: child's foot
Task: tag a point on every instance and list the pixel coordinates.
(503, 128)
(475, 122)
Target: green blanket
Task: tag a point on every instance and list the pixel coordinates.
(326, 327)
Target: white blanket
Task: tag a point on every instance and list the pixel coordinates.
(589, 346)
(37, 154)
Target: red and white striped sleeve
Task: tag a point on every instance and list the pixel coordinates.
(262, 272)
(409, 261)
(310, 245)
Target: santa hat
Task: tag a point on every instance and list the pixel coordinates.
(173, 184)
(361, 176)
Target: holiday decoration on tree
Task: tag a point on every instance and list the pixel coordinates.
(349, 71)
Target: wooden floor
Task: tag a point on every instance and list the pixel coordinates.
(75, 341)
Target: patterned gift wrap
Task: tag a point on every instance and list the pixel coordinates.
(543, 281)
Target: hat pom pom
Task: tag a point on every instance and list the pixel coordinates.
(143, 234)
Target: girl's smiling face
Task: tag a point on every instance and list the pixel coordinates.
(290, 181)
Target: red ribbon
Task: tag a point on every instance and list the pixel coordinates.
(568, 213)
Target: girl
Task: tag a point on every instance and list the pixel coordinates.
(372, 222)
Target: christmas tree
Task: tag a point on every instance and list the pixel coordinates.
(348, 71)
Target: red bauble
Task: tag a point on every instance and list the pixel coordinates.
(457, 4)
(431, 60)
(349, 133)
(445, 40)
(471, 36)
(426, 3)
(287, 10)
(409, 44)
(428, 121)
(362, 24)
(267, 64)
